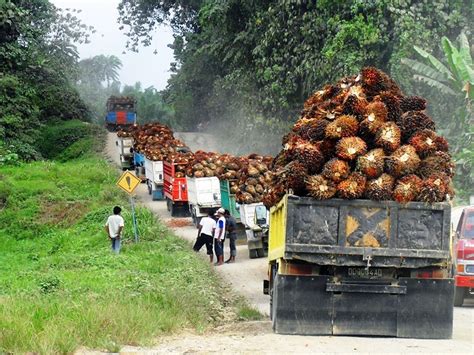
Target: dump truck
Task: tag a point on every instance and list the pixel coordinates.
(228, 200)
(175, 190)
(360, 267)
(124, 148)
(204, 195)
(464, 257)
(154, 178)
(121, 112)
(254, 217)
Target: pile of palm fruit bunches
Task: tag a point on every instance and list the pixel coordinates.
(248, 176)
(363, 138)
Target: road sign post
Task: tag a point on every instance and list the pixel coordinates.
(129, 182)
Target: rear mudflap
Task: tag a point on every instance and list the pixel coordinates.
(313, 305)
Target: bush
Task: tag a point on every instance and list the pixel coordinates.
(55, 139)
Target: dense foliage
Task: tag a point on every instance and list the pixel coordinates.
(249, 65)
(37, 71)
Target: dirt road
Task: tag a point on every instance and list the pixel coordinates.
(245, 277)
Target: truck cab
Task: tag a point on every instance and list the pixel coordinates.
(464, 257)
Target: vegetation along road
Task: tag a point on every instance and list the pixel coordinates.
(245, 277)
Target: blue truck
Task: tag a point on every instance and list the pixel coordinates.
(121, 112)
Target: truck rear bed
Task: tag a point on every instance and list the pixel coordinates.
(349, 232)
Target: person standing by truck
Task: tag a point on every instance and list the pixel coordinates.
(205, 232)
(231, 230)
(114, 227)
(219, 235)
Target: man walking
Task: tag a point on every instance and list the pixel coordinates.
(205, 232)
(114, 227)
(231, 228)
(219, 234)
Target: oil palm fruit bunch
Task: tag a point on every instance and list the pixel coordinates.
(336, 170)
(380, 188)
(362, 138)
(413, 121)
(349, 148)
(343, 126)
(372, 163)
(403, 161)
(439, 162)
(352, 187)
(412, 103)
(434, 188)
(320, 188)
(388, 136)
(407, 189)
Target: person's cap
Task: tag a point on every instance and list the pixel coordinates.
(220, 210)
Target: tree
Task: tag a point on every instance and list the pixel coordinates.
(454, 79)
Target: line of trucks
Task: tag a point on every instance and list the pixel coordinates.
(322, 283)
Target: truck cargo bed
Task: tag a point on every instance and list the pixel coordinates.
(355, 232)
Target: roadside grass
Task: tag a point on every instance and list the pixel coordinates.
(60, 286)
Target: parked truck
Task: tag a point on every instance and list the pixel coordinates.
(204, 195)
(154, 178)
(360, 267)
(175, 190)
(255, 219)
(464, 257)
(121, 112)
(124, 147)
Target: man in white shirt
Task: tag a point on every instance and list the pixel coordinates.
(219, 234)
(114, 227)
(205, 232)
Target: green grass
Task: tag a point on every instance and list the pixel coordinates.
(60, 286)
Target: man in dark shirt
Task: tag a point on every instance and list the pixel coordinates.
(231, 229)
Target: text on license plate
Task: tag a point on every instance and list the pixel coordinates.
(363, 272)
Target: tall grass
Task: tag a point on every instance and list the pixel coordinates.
(60, 286)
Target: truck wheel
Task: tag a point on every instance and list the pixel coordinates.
(253, 253)
(459, 294)
(261, 253)
(168, 205)
(149, 187)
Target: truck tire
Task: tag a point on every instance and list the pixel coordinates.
(168, 205)
(253, 253)
(459, 295)
(149, 187)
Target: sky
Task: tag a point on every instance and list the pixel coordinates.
(148, 68)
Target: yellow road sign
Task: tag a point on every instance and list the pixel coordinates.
(128, 182)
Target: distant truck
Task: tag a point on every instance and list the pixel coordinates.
(204, 195)
(125, 149)
(121, 112)
(360, 267)
(175, 190)
(464, 257)
(154, 178)
(255, 219)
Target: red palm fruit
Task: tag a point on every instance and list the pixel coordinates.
(372, 163)
(327, 147)
(320, 188)
(292, 177)
(439, 162)
(392, 102)
(412, 103)
(353, 187)
(336, 170)
(327, 92)
(306, 153)
(314, 130)
(343, 126)
(355, 106)
(388, 136)
(407, 189)
(434, 188)
(403, 161)
(375, 81)
(442, 144)
(380, 188)
(349, 148)
(414, 121)
(424, 142)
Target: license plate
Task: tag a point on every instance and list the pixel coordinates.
(470, 269)
(371, 273)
